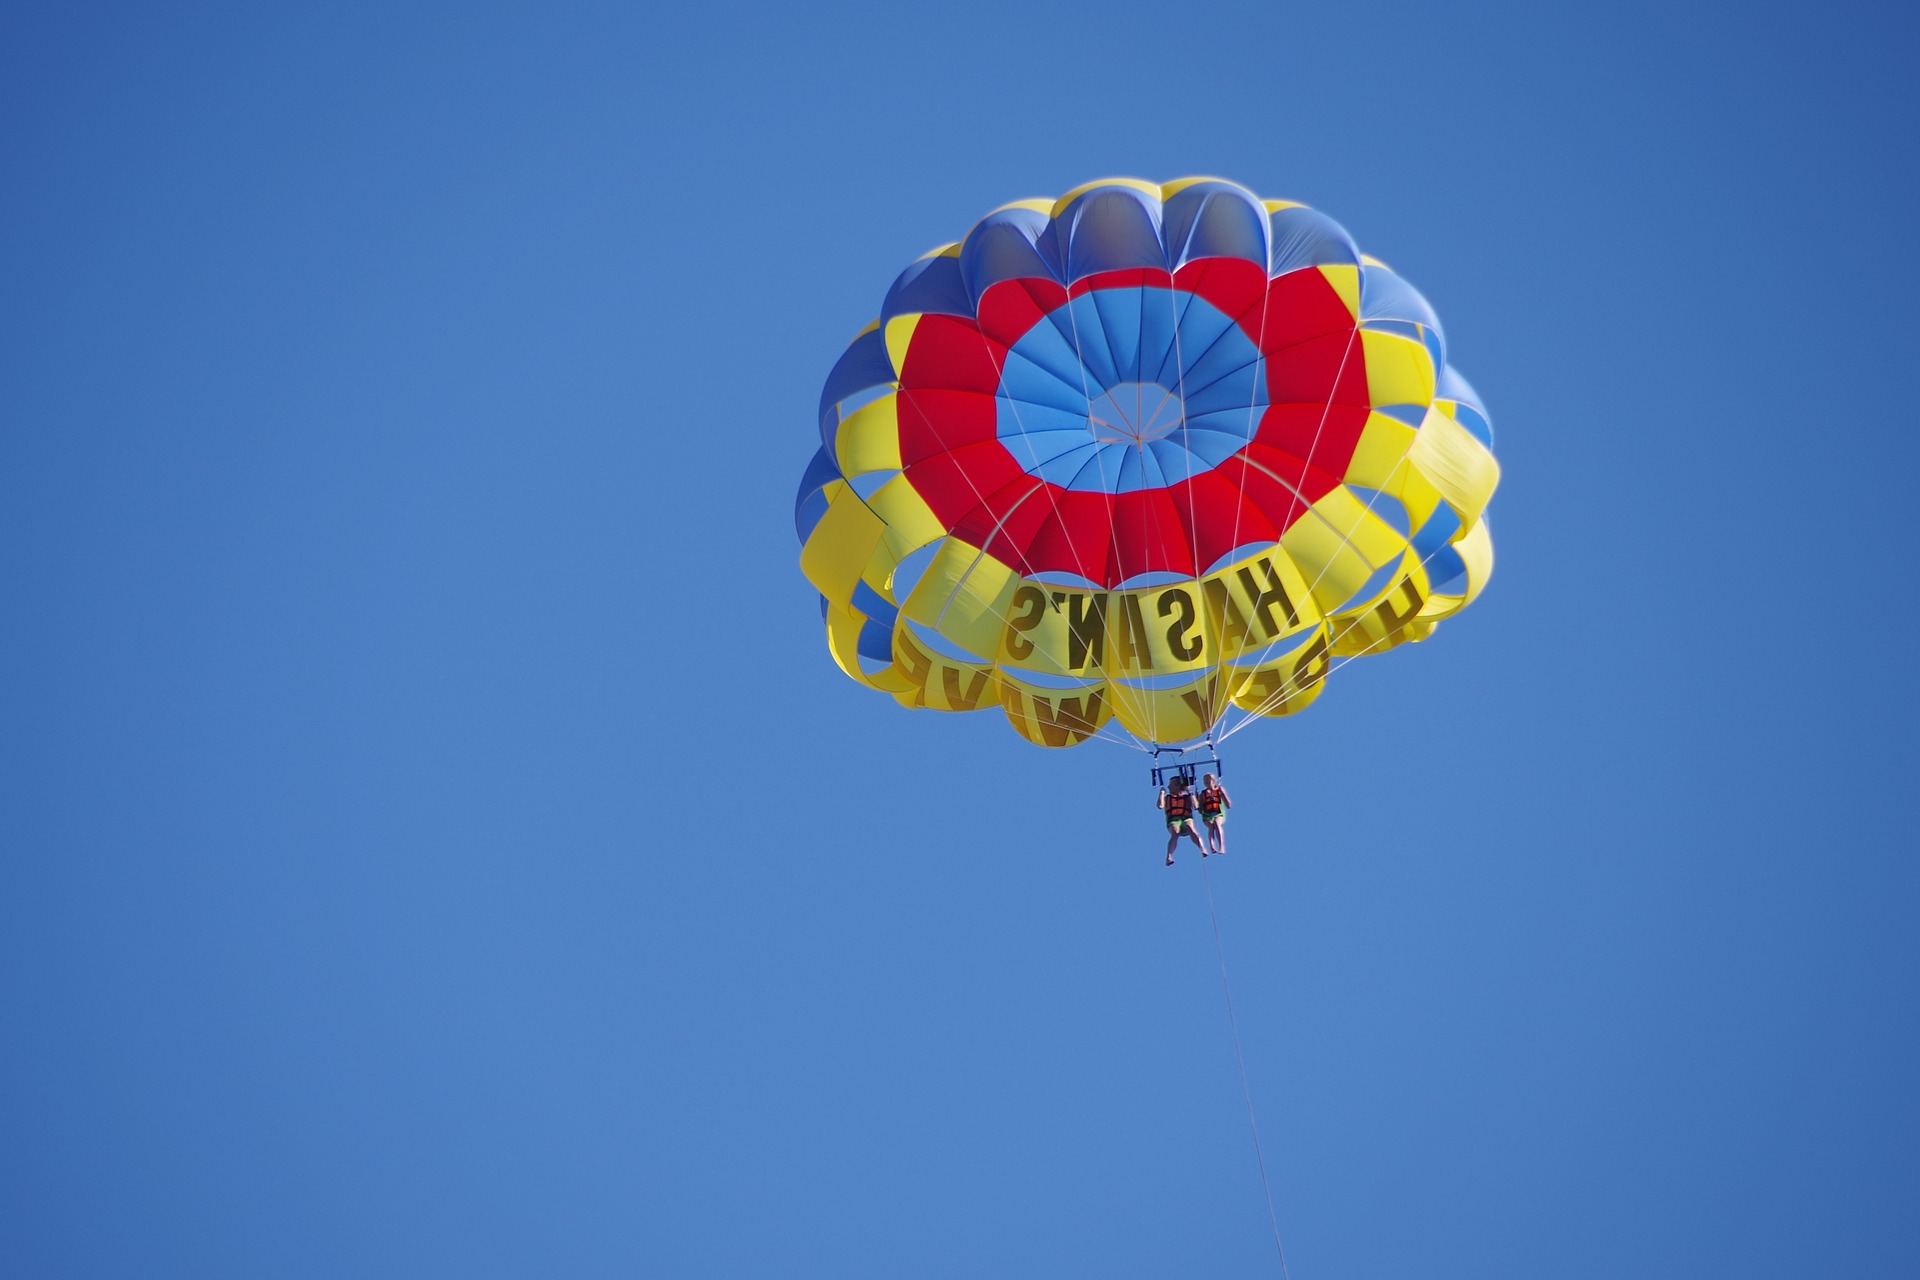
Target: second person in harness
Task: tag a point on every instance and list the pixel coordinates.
(1214, 803)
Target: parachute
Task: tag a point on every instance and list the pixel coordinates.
(1135, 460)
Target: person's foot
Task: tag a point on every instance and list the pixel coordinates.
(1169, 859)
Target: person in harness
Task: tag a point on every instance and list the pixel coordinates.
(1177, 802)
(1214, 803)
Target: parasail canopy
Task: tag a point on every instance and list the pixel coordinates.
(1139, 458)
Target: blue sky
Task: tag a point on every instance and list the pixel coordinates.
(436, 840)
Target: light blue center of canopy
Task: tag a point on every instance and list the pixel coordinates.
(1134, 413)
(1127, 389)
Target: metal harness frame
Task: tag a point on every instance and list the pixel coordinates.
(1188, 769)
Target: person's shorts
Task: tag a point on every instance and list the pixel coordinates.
(1214, 819)
(1177, 825)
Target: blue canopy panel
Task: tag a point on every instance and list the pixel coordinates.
(1446, 571)
(1472, 410)
(1384, 295)
(873, 604)
(811, 503)
(1002, 246)
(1303, 237)
(1109, 228)
(1389, 302)
(934, 284)
(876, 641)
(1214, 219)
(1387, 507)
(863, 364)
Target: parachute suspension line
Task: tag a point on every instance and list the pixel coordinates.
(1333, 665)
(1179, 316)
(1086, 392)
(1129, 740)
(1026, 438)
(1274, 699)
(1326, 409)
(1151, 525)
(981, 499)
(1246, 1091)
(979, 555)
(1253, 427)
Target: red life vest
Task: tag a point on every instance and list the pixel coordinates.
(1179, 805)
(1213, 800)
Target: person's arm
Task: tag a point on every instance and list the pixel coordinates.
(1225, 799)
(1160, 801)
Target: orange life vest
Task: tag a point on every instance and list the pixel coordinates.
(1179, 805)
(1213, 800)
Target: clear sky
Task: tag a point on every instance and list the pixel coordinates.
(434, 839)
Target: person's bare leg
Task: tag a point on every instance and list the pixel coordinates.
(1217, 833)
(1195, 837)
(1173, 838)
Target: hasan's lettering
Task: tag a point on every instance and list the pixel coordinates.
(1177, 601)
(1033, 601)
